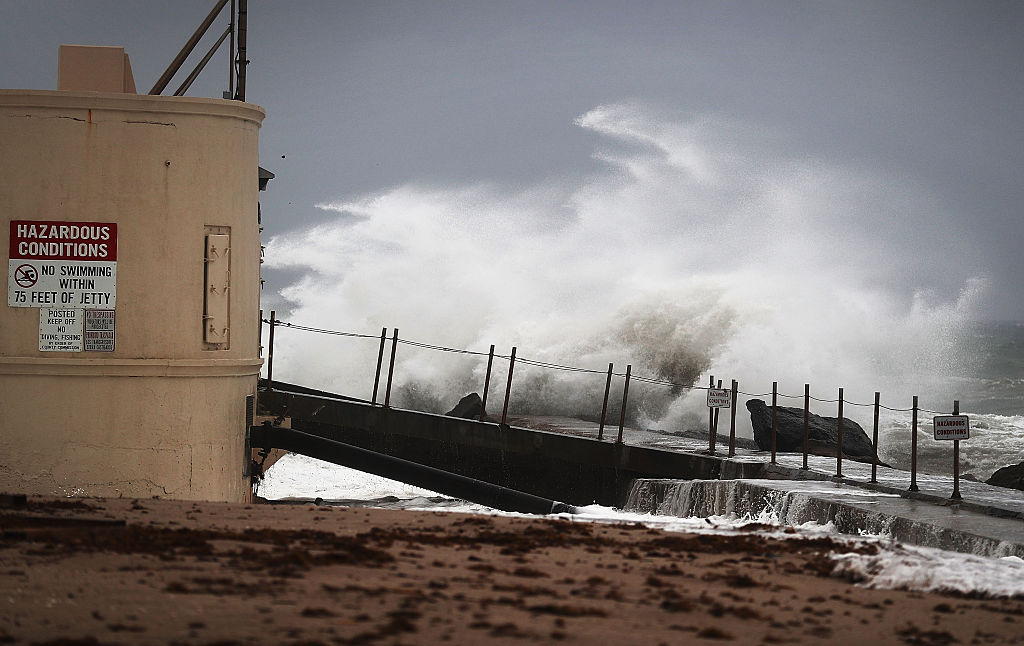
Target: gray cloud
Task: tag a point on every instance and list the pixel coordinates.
(364, 97)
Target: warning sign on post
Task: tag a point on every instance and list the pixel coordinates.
(952, 427)
(69, 265)
(719, 398)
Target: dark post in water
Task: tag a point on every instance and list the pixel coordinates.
(604, 406)
(775, 394)
(956, 458)
(711, 420)
(807, 409)
(839, 438)
(380, 364)
(913, 448)
(874, 442)
(732, 420)
(625, 396)
(391, 370)
(487, 383)
(714, 425)
(508, 386)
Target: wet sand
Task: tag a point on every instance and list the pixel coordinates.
(97, 571)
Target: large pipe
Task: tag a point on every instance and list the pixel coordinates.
(187, 83)
(450, 484)
(242, 31)
(175, 65)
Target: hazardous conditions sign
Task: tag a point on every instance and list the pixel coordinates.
(62, 265)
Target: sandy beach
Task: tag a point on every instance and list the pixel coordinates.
(106, 571)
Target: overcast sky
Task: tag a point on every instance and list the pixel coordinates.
(365, 97)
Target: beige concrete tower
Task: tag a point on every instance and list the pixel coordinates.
(129, 342)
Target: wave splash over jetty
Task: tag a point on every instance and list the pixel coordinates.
(688, 245)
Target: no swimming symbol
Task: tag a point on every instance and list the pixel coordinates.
(26, 276)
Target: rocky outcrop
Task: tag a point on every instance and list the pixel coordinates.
(822, 433)
(469, 407)
(1011, 477)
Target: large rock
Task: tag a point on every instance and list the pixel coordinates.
(1011, 477)
(822, 432)
(469, 407)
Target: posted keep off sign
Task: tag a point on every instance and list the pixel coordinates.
(62, 265)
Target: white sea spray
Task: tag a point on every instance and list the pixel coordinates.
(702, 248)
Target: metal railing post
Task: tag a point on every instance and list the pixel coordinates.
(391, 370)
(874, 441)
(604, 406)
(380, 363)
(625, 397)
(711, 419)
(508, 387)
(913, 449)
(487, 383)
(807, 412)
(775, 395)
(732, 420)
(956, 459)
(839, 438)
(714, 430)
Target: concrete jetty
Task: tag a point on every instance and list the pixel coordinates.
(668, 473)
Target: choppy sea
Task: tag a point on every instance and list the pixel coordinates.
(992, 395)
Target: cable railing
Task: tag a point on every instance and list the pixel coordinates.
(723, 398)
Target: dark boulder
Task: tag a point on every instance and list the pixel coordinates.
(822, 432)
(1011, 477)
(469, 407)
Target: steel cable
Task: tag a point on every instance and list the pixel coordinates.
(554, 366)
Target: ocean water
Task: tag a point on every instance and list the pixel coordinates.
(991, 394)
(985, 374)
(990, 391)
(895, 566)
(697, 247)
(701, 247)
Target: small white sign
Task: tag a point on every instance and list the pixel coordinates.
(99, 331)
(952, 427)
(719, 398)
(60, 330)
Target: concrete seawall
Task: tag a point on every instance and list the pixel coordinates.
(682, 480)
(850, 509)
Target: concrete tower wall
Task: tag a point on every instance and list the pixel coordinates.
(164, 412)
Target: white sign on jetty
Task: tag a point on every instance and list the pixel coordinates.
(952, 427)
(62, 265)
(719, 398)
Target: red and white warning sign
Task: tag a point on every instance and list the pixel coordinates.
(62, 264)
